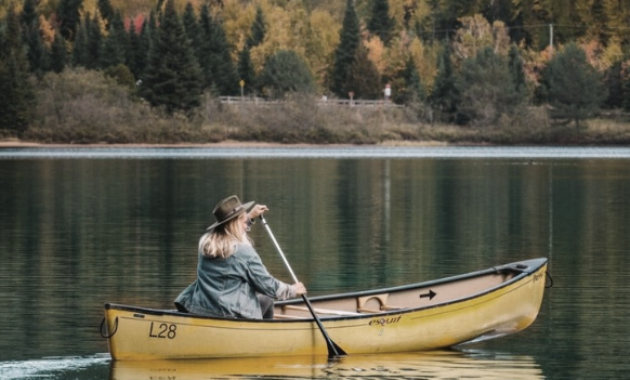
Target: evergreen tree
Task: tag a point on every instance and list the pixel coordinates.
(144, 44)
(106, 10)
(58, 53)
(80, 50)
(446, 15)
(246, 71)
(68, 17)
(626, 90)
(215, 57)
(499, 10)
(381, 24)
(116, 44)
(613, 80)
(257, 34)
(136, 63)
(285, 73)
(189, 20)
(16, 92)
(407, 84)
(36, 52)
(363, 77)
(445, 96)
(29, 15)
(486, 89)
(346, 51)
(225, 79)
(517, 72)
(576, 91)
(204, 48)
(94, 42)
(172, 78)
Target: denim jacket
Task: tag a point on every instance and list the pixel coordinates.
(228, 287)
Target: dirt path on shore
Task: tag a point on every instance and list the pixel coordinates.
(223, 144)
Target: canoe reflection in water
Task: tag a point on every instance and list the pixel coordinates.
(433, 365)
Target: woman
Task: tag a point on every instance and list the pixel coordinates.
(231, 278)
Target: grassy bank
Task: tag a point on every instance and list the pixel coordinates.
(84, 107)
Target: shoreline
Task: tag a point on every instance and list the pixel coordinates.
(7, 144)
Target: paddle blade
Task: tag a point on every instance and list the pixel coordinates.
(334, 350)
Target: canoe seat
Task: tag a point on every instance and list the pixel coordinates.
(376, 303)
(319, 310)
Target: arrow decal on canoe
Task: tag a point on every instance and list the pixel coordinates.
(429, 295)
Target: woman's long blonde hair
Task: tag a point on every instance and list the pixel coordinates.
(222, 240)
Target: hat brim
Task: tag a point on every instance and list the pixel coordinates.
(245, 208)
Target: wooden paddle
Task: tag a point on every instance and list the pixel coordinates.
(333, 349)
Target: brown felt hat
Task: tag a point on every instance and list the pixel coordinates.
(228, 209)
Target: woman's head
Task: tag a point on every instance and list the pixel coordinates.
(229, 209)
(229, 230)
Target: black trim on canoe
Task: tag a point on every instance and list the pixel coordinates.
(523, 268)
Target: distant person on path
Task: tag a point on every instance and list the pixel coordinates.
(231, 278)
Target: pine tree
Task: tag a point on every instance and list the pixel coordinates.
(80, 49)
(87, 45)
(613, 81)
(517, 72)
(626, 90)
(58, 53)
(445, 95)
(106, 10)
(285, 73)
(116, 44)
(246, 71)
(144, 43)
(36, 53)
(191, 26)
(136, 64)
(215, 56)
(68, 17)
(576, 91)
(172, 78)
(381, 24)
(94, 42)
(363, 79)
(204, 49)
(257, 34)
(16, 92)
(408, 87)
(346, 51)
(486, 89)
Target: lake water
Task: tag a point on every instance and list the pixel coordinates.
(81, 227)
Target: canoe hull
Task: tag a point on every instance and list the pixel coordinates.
(148, 334)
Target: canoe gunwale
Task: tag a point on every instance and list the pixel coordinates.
(521, 269)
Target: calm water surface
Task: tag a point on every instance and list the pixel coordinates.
(81, 227)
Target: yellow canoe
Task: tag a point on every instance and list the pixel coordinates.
(426, 316)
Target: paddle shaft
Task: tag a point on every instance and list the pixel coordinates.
(333, 349)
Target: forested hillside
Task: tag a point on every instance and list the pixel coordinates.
(476, 63)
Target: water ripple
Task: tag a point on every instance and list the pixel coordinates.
(53, 367)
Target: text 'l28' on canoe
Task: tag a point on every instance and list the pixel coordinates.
(424, 316)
